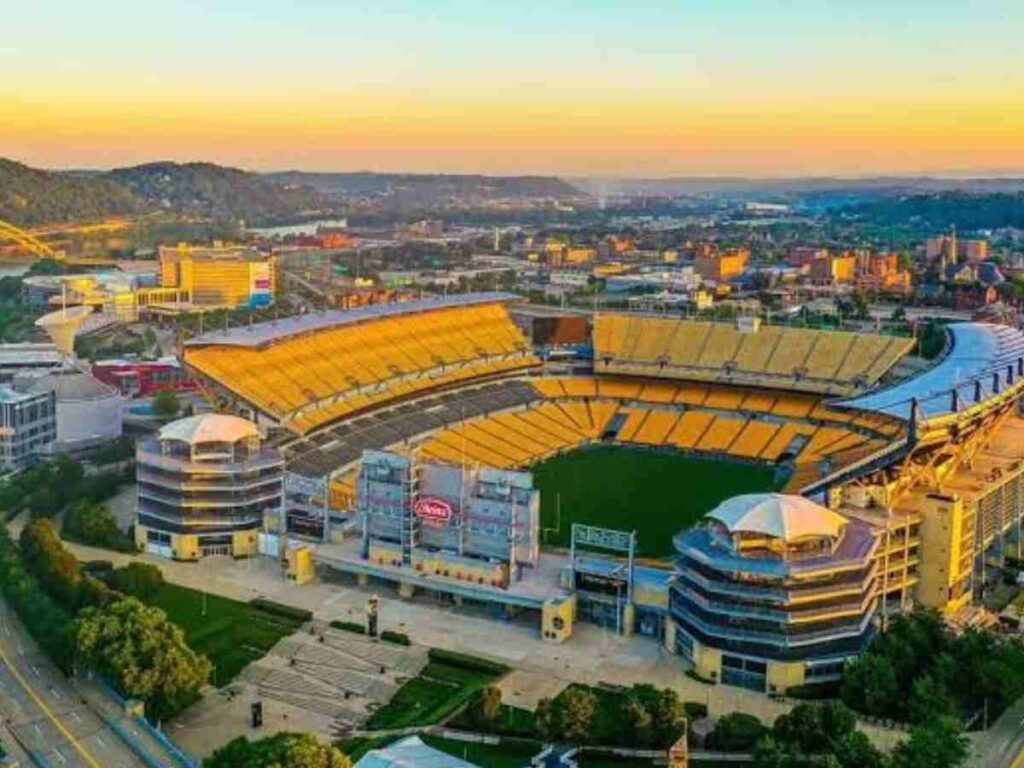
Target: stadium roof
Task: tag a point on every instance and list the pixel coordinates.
(778, 515)
(258, 334)
(209, 428)
(69, 385)
(410, 752)
(977, 351)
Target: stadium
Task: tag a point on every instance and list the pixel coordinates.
(431, 446)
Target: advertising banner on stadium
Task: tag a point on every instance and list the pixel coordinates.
(433, 511)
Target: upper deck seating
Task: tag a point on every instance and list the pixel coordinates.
(778, 357)
(310, 379)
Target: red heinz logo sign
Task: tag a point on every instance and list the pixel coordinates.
(433, 511)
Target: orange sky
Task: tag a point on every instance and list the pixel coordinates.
(592, 93)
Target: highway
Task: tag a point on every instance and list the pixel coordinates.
(45, 717)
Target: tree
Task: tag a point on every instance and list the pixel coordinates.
(736, 732)
(56, 568)
(139, 580)
(282, 750)
(814, 728)
(488, 708)
(870, 686)
(855, 750)
(940, 743)
(567, 717)
(92, 523)
(141, 653)
(929, 698)
(578, 708)
(166, 404)
(546, 720)
(637, 722)
(661, 720)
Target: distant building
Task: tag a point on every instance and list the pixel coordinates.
(803, 256)
(205, 483)
(578, 255)
(829, 269)
(950, 249)
(133, 378)
(28, 356)
(720, 266)
(621, 244)
(89, 413)
(28, 426)
(212, 277)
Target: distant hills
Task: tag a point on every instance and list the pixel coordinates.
(218, 192)
(433, 188)
(746, 186)
(30, 197)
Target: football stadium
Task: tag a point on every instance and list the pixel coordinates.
(758, 498)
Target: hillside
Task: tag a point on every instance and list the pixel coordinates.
(218, 192)
(29, 197)
(963, 210)
(432, 189)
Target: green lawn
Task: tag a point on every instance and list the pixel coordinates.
(439, 690)
(230, 633)
(655, 493)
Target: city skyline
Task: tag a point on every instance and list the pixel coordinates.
(641, 90)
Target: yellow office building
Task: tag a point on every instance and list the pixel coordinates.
(218, 276)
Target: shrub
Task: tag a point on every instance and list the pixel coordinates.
(91, 523)
(282, 610)
(695, 710)
(349, 626)
(736, 732)
(137, 579)
(394, 637)
(465, 661)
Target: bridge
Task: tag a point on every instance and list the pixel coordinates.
(41, 250)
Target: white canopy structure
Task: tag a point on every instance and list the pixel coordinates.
(63, 325)
(779, 516)
(210, 428)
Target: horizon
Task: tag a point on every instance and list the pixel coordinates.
(651, 90)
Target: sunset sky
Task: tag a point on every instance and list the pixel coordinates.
(628, 88)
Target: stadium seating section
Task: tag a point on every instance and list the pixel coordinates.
(801, 359)
(306, 381)
(570, 412)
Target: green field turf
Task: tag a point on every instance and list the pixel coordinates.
(230, 633)
(655, 493)
(441, 688)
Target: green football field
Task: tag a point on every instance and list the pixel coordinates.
(655, 493)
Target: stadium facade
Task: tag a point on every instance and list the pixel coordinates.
(921, 469)
(205, 485)
(774, 590)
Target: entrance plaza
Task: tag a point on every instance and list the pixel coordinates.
(595, 655)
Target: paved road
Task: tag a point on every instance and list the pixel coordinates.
(43, 713)
(1002, 746)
